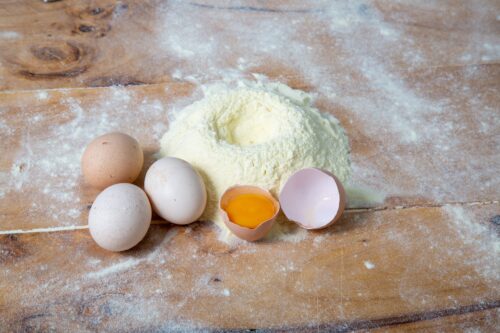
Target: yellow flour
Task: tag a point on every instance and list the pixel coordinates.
(256, 134)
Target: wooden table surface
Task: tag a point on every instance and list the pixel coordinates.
(416, 85)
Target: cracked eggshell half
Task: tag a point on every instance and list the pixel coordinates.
(242, 232)
(313, 198)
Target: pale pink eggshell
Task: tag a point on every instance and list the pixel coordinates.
(313, 198)
(245, 233)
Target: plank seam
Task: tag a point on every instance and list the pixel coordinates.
(347, 211)
(430, 205)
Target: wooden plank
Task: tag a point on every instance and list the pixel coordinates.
(44, 132)
(78, 44)
(374, 268)
(415, 85)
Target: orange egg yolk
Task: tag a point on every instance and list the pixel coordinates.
(250, 210)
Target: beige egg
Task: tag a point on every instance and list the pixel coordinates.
(176, 190)
(120, 217)
(111, 159)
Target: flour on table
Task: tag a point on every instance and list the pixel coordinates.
(50, 168)
(369, 265)
(478, 236)
(10, 35)
(42, 94)
(372, 74)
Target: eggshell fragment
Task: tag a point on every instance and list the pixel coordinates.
(313, 198)
(111, 159)
(120, 217)
(176, 190)
(245, 233)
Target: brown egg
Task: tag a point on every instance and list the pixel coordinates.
(251, 206)
(111, 159)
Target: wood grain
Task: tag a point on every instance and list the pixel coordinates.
(81, 44)
(182, 277)
(416, 85)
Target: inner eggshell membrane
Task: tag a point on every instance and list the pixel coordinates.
(312, 198)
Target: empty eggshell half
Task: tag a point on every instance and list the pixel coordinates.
(242, 232)
(313, 198)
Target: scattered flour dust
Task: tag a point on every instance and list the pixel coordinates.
(42, 94)
(363, 75)
(49, 168)
(115, 268)
(369, 265)
(10, 35)
(479, 237)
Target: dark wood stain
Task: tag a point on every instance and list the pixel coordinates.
(68, 59)
(96, 11)
(350, 326)
(254, 9)
(495, 220)
(11, 249)
(106, 81)
(86, 28)
(69, 73)
(35, 323)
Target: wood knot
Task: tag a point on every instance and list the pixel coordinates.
(86, 28)
(96, 29)
(85, 12)
(51, 59)
(94, 21)
(47, 53)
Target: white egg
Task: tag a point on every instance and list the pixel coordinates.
(120, 217)
(176, 190)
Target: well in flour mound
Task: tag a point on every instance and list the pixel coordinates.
(256, 134)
